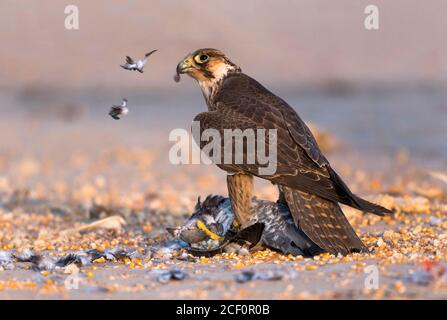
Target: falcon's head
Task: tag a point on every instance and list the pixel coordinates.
(207, 66)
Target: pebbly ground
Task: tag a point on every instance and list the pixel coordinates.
(57, 176)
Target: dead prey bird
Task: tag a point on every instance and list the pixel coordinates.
(211, 227)
(117, 111)
(137, 65)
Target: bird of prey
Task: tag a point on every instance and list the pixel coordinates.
(307, 183)
(212, 220)
(117, 111)
(137, 65)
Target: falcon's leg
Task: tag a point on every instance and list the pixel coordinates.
(240, 191)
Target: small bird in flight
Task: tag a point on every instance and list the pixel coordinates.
(117, 111)
(136, 65)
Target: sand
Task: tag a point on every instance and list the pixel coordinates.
(58, 174)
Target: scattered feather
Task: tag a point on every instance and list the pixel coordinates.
(247, 276)
(96, 254)
(169, 275)
(79, 260)
(121, 254)
(24, 256)
(43, 263)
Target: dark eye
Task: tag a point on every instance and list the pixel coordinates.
(201, 58)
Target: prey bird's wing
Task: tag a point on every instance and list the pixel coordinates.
(251, 234)
(146, 56)
(129, 60)
(115, 111)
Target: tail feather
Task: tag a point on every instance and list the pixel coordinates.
(323, 222)
(350, 199)
(367, 206)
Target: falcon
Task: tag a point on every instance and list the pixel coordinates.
(306, 181)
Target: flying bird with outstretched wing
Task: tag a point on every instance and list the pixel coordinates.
(307, 183)
(136, 65)
(117, 111)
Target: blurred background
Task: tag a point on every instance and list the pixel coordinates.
(377, 99)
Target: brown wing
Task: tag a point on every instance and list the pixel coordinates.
(242, 103)
(255, 102)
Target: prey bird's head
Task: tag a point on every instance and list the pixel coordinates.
(207, 66)
(211, 219)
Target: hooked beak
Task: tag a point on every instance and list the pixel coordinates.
(185, 64)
